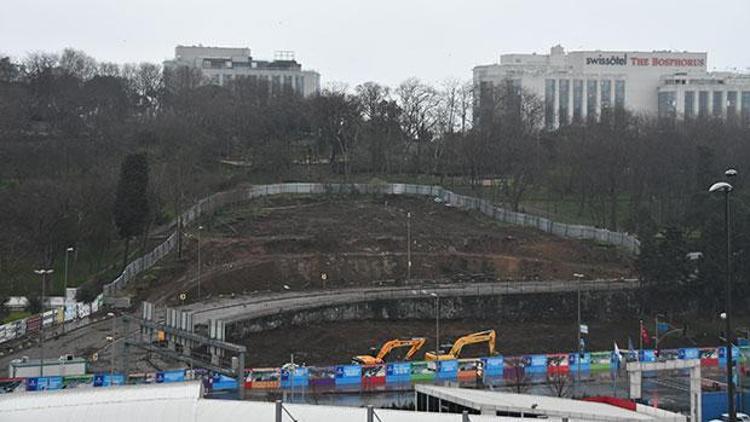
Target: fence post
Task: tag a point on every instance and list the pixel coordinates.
(279, 407)
(370, 414)
(465, 416)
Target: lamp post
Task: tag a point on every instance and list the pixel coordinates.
(200, 228)
(43, 273)
(65, 286)
(726, 188)
(111, 340)
(578, 277)
(408, 246)
(437, 321)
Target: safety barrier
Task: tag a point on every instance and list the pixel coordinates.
(495, 370)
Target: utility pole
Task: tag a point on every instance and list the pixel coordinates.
(200, 228)
(408, 246)
(437, 322)
(65, 286)
(578, 277)
(43, 273)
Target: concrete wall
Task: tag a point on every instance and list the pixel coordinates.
(506, 308)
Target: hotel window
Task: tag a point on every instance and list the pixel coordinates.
(703, 103)
(746, 108)
(620, 95)
(718, 103)
(731, 104)
(549, 103)
(689, 104)
(606, 101)
(591, 95)
(564, 98)
(667, 105)
(276, 84)
(577, 100)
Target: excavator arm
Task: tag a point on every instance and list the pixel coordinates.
(488, 336)
(415, 343)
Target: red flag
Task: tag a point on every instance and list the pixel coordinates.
(645, 337)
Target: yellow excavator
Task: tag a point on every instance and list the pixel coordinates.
(480, 337)
(415, 343)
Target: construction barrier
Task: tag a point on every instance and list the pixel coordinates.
(491, 370)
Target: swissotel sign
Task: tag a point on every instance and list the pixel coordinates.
(624, 60)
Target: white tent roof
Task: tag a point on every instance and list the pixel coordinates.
(182, 402)
(543, 405)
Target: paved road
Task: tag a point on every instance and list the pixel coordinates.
(249, 307)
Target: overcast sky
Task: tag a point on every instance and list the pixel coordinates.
(353, 41)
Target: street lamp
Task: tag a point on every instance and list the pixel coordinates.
(200, 228)
(43, 273)
(111, 340)
(437, 321)
(726, 188)
(65, 286)
(408, 246)
(578, 277)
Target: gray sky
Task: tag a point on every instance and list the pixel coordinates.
(387, 41)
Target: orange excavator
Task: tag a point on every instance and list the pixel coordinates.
(415, 343)
(480, 337)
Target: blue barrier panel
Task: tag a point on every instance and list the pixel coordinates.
(300, 378)
(106, 380)
(348, 374)
(535, 364)
(222, 382)
(447, 369)
(714, 404)
(398, 372)
(576, 359)
(493, 366)
(689, 353)
(648, 355)
(722, 352)
(171, 376)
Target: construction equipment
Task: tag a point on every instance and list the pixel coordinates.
(415, 343)
(480, 337)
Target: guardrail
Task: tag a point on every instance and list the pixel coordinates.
(251, 308)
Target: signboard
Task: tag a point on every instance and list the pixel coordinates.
(557, 363)
(722, 352)
(170, 376)
(44, 383)
(398, 372)
(348, 374)
(447, 369)
(535, 364)
(647, 355)
(579, 361)
(106, 380)
(300, 377)
(600, 361)
(223, 382)
(689, 353)
(584, 329)
(423, 371)
(493, 366)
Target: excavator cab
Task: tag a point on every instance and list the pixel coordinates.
(414, 343)
(487, 336)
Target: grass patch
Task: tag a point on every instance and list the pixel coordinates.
(15, 315)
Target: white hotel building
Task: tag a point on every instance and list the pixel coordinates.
(580, 84)
(220, 65)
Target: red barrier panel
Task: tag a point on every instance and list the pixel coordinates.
(614, 401)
